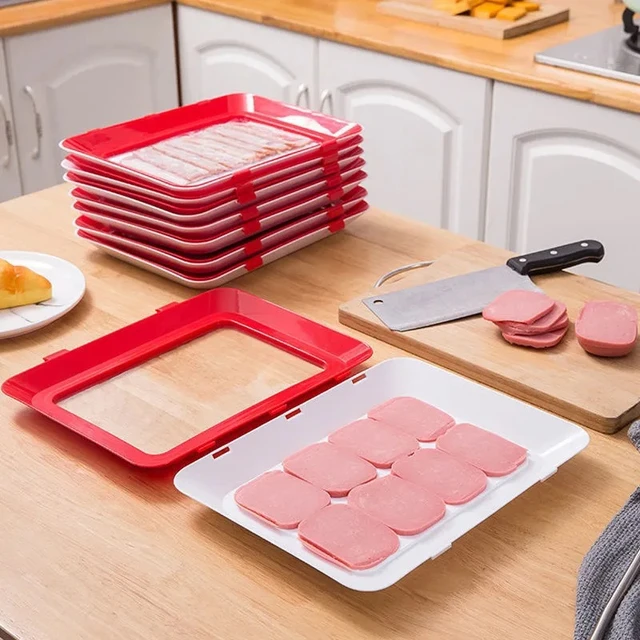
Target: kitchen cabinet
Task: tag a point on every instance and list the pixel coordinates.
(562, 169)
(425, 133)
(220, 55)
(10, 186)
(78, 77)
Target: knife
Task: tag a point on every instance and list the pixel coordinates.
(466, 295)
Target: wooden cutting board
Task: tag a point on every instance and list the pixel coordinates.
(422, 11)
(600, 393)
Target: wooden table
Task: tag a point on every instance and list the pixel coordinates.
(92, 549)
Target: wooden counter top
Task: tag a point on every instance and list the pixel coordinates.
(45, 14)
(358, 23)
(93, 549)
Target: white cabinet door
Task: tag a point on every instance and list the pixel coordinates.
(221, 55)
(78, 77)
(10, 186)
(561, 170)
(425, 133)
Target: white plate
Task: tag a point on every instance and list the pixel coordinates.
(549, 440)
(67, 284)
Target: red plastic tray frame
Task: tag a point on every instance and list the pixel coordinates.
(66, 373)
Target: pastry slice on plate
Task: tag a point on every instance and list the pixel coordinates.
(20, 286)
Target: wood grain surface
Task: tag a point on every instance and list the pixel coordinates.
(95, 550)
(422, 11)
(361, 23)
(46, 14)
(565, 380)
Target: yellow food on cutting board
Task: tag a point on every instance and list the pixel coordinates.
(20, 286)
(500, 9)
(511, 13)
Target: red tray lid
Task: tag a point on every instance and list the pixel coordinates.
(193, 376)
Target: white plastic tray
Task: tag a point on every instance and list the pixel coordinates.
(550, 441)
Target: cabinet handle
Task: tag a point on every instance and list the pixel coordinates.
(326, 97)
(8, 134)
(35, 154)
(303, 90)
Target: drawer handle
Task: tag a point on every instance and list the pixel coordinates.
(35, 154)
(303, 90)
(326, 98)
(8, 134)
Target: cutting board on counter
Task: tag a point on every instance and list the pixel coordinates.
(423, 11)
(600, 393)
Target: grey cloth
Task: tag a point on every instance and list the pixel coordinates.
(603, 567)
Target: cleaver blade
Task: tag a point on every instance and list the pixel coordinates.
(466, 295)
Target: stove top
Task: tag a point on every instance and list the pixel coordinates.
(609, 53)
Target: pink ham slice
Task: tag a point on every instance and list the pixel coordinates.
(374, 441)
(419, 419)
(403, 506)
(281, 499)
(539, 341)
(330, 468)
(453, 480)
(518, 306)
(484, 450)
(556, 319)
(607, 328)
(348, 537)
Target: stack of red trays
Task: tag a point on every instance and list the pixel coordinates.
(204, 193)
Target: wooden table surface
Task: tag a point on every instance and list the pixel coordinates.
(92, 549)
(360, 23)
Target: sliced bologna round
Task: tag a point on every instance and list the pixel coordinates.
(374, 441)
(607, 328)
(453, 480)
(556, 319)
(539, 341)
(281, 499)
(348, 537)
(331, 468)
(403, 506)
(518, 306)
(486, 451)
(419, 419)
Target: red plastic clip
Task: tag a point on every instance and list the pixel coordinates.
(245, 193)
(55, 355)
(330, 167)
(336, 225)
(254, 263)
(333, 181)
(250, 213)
(336, 211)
(253, 246)
(251, 227)
(336, 194)
(330, 159)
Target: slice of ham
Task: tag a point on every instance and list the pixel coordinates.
(419, 419)
(524, 307)
(281, 499)
(403, 506)
(539, 341)
(556, 319)
(348, 537)
(486, 451)
(376, 442)
(453, 480)
(606, 328)
(331, 468)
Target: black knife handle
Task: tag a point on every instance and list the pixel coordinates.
(557, 258)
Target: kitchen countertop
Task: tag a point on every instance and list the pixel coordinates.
(94, 549)
(357, 22)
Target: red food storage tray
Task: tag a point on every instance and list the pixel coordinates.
(213, 236)
(223, 277)
(56, 387)
(200, 265)
(271, 183)
(180, 213)
(323, 132)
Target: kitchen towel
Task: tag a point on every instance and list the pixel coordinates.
(603, 567)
